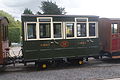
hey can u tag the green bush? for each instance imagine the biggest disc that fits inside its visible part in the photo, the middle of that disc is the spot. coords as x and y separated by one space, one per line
14 34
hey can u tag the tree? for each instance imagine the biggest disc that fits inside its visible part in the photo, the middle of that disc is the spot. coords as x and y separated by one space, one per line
39 13
27 11
52 8
14 34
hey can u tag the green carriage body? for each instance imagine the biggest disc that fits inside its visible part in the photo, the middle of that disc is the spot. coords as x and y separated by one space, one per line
77 36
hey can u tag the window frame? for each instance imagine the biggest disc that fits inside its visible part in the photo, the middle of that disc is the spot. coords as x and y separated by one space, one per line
26 30
112 26
65 28
62 29
4 32
51 27
39 32
87 28
96 30
86 31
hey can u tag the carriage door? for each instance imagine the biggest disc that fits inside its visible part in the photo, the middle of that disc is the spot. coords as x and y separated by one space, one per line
115 37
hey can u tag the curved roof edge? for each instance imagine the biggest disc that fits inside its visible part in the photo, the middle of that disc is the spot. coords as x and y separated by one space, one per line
1 18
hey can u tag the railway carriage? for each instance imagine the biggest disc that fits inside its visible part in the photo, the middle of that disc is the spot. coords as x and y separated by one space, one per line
109 33
57 38
4 45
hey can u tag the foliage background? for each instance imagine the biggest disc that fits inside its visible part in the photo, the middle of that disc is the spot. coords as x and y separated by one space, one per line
14 34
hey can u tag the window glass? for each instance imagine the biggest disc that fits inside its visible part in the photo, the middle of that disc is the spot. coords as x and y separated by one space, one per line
70 29
44 20
6 32
31 28
114 28
45 30
81 29
91 29
81 20
57 30
3 32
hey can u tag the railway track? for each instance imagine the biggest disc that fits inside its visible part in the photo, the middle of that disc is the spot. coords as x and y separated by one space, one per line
92 70
91 63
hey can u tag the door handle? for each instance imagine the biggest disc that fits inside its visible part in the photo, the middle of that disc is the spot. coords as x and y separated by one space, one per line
54 42
90 40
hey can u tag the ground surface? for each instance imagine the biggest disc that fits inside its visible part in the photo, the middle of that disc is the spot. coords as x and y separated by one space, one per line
92 70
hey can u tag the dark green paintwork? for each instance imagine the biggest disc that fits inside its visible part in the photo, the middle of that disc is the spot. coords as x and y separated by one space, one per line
58 18
33 50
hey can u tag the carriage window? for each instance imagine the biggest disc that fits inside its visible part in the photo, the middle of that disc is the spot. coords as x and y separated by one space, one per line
81 29
91 29
31 28
4 32
57 30
114 28
45 29
81 20
70 29
44 20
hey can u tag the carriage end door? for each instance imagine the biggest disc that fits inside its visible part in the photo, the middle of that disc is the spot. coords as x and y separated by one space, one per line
115 37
